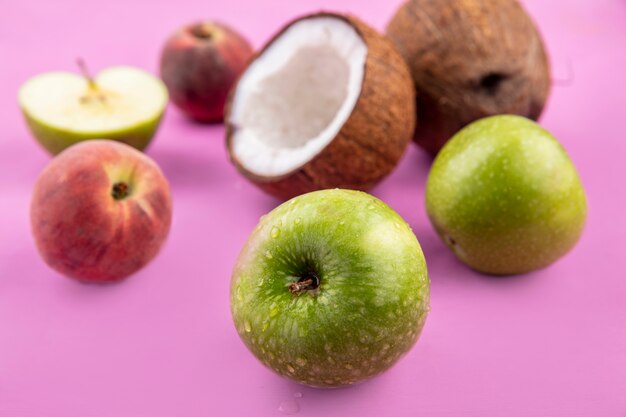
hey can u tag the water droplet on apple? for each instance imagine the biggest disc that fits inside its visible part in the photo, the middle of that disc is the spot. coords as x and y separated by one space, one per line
247 326
300 361
341 223
273 310
371 207
275 232
265 326
291 369
298 220
289 407
268 254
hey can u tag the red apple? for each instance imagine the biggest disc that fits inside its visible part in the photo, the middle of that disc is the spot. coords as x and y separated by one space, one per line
199 64
100 211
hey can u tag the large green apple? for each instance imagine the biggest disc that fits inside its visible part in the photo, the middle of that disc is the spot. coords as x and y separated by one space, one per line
330 289
504 196
122 103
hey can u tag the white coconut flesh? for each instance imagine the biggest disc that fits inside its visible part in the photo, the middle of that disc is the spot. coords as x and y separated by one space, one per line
123 97
293 100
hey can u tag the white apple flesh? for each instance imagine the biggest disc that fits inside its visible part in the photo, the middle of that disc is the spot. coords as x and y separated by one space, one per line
122 103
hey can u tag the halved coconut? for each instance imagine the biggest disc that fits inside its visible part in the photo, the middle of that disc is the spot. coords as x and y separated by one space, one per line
327 103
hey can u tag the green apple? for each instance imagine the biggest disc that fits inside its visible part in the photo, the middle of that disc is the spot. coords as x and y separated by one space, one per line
122 103
330 289
504 196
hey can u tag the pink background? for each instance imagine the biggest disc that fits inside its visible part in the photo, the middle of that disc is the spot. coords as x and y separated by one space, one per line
551 343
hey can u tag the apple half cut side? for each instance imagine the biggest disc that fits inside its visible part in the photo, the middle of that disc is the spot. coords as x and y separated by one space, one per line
327 103
122 103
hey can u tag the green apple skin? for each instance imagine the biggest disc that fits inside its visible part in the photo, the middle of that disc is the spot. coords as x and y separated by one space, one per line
371 302
55 140
504 196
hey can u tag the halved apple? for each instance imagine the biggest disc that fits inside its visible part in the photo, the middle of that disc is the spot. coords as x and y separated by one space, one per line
122 103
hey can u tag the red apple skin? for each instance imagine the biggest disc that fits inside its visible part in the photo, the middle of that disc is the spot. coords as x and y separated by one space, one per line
85 233
199 65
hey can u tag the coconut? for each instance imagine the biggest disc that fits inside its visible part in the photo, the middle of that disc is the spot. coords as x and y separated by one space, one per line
470 59
327 103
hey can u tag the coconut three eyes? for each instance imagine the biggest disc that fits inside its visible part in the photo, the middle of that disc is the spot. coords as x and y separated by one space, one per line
327 103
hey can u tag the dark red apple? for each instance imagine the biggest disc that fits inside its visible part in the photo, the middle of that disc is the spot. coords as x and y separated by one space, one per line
199 65
100 211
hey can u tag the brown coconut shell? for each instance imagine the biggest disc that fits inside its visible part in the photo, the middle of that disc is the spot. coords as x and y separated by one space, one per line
470 59
373 138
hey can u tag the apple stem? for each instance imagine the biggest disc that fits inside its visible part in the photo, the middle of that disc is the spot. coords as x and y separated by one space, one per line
309 282
203 31
85 72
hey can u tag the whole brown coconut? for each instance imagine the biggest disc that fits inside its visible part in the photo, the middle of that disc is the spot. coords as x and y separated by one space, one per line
327 103
470 59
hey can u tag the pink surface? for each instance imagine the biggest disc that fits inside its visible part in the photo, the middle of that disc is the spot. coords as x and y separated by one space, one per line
551 343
